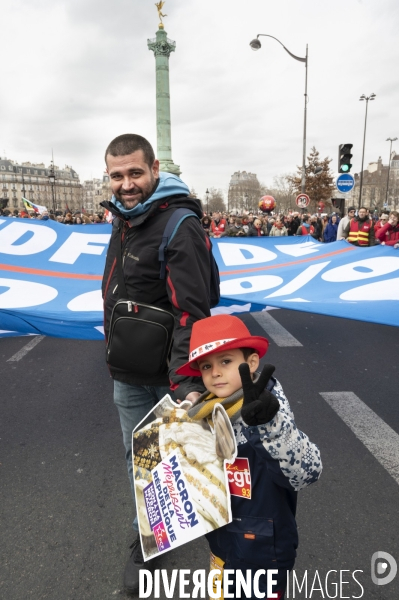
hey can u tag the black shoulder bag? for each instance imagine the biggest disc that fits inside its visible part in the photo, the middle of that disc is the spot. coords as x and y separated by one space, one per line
140 336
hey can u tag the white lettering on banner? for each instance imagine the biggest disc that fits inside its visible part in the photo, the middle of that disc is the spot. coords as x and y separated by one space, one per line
42 238
373 267
234 254
88 302
77 244
248 285
373 292
300 280
23 294
299 249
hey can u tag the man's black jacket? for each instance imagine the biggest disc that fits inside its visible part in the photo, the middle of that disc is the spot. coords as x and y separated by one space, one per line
184 292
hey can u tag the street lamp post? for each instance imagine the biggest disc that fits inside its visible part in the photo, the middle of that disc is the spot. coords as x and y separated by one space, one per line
51 179
207 202
366 98
256 45
23 183
389 166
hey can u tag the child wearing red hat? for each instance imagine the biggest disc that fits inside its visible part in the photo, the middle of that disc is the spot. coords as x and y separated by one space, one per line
274 459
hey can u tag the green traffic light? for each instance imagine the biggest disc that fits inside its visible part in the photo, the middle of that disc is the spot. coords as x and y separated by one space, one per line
344 168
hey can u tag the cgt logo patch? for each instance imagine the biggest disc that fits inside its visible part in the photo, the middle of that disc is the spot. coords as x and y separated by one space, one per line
239 477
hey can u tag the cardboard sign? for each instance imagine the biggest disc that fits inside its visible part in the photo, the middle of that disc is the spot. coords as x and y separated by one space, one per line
181 485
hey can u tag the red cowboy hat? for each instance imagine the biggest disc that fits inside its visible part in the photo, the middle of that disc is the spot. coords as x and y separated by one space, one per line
222 332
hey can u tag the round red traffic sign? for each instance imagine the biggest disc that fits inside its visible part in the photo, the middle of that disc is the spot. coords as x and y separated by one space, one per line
302 200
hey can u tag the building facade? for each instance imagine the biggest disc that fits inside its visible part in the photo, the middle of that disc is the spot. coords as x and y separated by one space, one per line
32 181
244 191
94 192
393 187
377 192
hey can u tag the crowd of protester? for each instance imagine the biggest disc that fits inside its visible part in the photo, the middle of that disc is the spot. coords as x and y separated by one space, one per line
358 227
67 218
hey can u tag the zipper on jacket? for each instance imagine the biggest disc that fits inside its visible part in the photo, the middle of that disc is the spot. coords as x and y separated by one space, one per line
132 306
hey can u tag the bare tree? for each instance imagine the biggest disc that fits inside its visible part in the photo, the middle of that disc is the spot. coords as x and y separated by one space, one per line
216 200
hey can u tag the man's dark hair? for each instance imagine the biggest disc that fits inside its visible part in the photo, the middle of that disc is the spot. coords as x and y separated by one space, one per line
305 218
350 208
363 208
129 143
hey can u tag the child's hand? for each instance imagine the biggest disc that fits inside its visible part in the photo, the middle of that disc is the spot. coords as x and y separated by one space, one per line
260 405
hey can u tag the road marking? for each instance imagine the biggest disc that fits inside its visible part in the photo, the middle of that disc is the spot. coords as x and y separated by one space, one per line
29 346
368 427
277 332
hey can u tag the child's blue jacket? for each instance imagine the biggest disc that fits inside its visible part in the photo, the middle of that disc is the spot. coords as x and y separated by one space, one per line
281 461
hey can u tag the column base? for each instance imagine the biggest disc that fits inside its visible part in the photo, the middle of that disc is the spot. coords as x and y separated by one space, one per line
169 166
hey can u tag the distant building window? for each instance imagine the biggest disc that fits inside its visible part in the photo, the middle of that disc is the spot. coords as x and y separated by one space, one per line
15 203
28 171
3 168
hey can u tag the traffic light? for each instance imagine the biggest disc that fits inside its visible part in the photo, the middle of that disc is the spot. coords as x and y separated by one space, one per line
344 158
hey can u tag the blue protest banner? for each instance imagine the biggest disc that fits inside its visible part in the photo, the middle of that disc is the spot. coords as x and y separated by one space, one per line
50 277
299 273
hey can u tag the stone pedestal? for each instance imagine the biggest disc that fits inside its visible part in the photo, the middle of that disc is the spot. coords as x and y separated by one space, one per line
162 47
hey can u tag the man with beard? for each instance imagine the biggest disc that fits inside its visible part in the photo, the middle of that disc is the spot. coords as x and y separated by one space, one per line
218 225
143 201
360 230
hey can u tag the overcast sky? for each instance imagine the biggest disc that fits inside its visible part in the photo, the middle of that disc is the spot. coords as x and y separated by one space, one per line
77 73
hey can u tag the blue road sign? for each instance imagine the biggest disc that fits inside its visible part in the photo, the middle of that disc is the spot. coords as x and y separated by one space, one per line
345 183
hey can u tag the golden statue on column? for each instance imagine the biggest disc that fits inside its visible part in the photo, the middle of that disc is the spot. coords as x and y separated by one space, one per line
159 6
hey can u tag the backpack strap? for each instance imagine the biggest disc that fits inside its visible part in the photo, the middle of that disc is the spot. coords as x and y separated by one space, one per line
175 220
122 293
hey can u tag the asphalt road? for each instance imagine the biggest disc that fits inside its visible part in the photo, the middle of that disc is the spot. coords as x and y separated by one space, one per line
65 501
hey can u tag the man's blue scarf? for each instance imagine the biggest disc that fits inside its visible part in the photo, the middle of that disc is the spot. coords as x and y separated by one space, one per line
169 185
